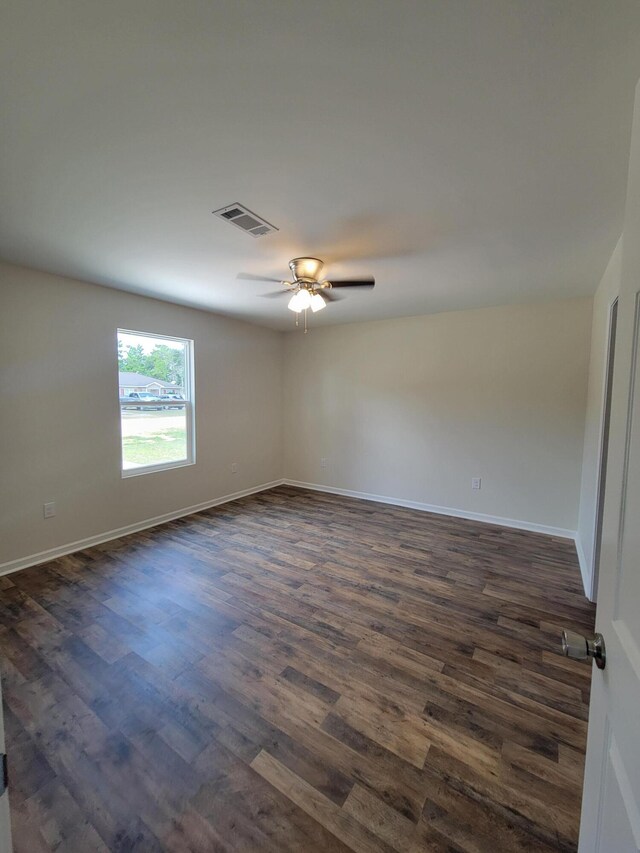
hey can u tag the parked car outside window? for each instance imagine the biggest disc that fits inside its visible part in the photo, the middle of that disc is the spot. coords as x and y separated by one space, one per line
142 396
172 398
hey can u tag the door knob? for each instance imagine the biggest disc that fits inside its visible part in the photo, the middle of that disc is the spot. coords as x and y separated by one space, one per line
580 648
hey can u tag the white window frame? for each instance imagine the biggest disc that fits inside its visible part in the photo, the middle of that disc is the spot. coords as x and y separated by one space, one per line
189 401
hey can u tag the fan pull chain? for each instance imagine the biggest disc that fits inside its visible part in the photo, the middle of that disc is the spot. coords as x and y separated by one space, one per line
305 321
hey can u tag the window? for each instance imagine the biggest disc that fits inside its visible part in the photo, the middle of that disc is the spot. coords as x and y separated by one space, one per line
155 380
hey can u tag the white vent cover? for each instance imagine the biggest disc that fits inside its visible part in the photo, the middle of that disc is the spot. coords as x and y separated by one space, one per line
245 219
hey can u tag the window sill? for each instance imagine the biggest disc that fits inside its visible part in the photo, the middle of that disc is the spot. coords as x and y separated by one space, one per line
153 469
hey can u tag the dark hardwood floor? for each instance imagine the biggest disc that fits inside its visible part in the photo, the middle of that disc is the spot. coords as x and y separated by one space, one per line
297 671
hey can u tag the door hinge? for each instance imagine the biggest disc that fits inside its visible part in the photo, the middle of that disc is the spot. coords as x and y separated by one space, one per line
4 771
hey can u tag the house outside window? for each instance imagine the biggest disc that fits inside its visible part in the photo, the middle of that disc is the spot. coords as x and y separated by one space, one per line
155 383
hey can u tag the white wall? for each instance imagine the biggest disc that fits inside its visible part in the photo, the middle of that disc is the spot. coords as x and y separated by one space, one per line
59 413
412 409
585 539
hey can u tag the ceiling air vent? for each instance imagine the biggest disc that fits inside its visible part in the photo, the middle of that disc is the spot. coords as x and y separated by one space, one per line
245 220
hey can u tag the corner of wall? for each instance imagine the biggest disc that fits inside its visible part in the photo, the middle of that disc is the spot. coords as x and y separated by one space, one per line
603 300
585 568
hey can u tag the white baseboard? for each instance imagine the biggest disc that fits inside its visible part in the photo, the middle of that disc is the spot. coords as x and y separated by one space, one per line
560 532
80 544
585 569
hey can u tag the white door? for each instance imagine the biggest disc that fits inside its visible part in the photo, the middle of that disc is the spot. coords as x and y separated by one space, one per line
5 823
611 801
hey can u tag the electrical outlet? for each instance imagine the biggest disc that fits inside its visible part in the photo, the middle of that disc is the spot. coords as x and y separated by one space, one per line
234 467
49 509
476 483
323 461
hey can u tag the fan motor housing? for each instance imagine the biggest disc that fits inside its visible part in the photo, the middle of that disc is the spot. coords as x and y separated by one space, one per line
306 269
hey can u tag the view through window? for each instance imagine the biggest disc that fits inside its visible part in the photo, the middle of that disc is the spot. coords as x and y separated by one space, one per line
155 379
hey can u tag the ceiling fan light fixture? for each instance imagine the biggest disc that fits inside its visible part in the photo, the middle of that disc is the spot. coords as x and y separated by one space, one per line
300 301
318 302
293 303
304 298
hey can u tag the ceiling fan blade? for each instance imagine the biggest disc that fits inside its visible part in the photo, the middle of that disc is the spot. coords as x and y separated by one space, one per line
247 276
274 293
354 282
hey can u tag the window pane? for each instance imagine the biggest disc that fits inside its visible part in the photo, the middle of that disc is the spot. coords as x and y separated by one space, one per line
155 400
151 437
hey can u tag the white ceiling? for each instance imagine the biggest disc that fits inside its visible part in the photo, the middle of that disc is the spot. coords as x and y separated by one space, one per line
466 153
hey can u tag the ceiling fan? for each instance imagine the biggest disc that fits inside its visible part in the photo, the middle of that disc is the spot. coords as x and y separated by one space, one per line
307 289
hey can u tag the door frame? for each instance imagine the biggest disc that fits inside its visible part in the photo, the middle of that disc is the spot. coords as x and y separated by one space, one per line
603 444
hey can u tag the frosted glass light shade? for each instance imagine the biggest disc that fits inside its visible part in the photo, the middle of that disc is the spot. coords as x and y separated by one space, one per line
300 301
292 305
304 299
317 302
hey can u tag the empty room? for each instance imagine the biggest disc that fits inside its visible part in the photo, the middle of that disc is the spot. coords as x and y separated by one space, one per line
319 432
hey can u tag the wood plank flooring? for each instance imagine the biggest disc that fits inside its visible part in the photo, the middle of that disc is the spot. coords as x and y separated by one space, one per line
298 672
